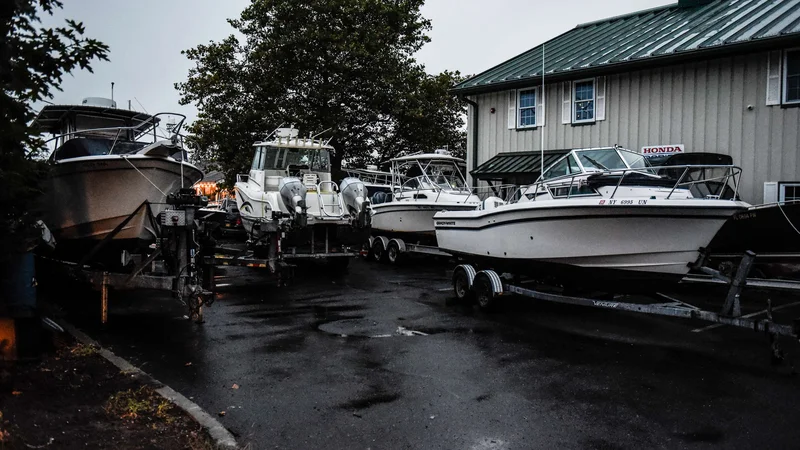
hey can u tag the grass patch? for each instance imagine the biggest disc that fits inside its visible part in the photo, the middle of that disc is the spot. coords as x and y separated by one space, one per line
141 403
83 350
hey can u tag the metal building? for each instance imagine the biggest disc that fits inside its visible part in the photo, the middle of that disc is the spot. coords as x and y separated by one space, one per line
697 76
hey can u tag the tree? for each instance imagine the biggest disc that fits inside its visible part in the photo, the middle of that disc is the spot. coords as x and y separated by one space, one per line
429 117
342 67
33 60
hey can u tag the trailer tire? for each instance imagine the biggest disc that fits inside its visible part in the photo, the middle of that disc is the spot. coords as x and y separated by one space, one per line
393 252
484 292
463 278
378 250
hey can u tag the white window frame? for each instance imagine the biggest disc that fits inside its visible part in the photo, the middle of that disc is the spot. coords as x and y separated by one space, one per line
785 75
534 108
594 101
782 190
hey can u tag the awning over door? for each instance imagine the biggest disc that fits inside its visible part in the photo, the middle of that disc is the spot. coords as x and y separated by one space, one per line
512 166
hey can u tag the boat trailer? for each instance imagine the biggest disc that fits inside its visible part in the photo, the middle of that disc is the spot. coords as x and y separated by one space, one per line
172 264
268 252
486 287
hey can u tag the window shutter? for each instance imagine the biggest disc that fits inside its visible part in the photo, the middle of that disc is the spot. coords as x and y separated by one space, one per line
770 192
774 78
540 107
600 98
512 109
566 102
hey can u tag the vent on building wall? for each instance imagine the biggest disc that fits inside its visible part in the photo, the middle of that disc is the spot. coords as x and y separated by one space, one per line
692 3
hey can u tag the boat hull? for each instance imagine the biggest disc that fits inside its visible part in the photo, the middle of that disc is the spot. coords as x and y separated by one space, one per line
587 240
411 220
85 199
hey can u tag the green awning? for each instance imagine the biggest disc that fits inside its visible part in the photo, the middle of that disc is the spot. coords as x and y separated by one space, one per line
512 164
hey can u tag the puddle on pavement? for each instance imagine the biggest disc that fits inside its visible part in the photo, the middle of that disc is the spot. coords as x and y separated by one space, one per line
367 328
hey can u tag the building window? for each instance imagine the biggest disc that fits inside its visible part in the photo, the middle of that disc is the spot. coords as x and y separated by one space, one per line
791 73
583 101
789 192
527 108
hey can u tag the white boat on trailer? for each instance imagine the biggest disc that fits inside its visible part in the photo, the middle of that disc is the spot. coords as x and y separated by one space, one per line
596 217
102 171
422 185
289 203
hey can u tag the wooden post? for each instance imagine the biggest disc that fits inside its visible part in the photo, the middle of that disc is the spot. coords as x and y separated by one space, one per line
104 299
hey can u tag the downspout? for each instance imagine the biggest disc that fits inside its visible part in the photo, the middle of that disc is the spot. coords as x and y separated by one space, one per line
474 135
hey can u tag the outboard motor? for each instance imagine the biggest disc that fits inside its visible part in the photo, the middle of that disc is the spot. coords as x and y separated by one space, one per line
491 203
355 197
293 194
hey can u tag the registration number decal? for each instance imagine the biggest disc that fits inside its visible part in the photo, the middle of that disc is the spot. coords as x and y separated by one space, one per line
622 202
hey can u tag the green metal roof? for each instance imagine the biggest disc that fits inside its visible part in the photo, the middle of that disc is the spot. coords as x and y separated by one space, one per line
515 163
647 36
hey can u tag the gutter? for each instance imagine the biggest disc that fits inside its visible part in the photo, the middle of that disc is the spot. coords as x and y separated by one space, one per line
474 133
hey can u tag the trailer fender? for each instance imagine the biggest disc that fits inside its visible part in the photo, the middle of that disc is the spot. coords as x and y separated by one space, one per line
400 244
497 284
463 278
379 246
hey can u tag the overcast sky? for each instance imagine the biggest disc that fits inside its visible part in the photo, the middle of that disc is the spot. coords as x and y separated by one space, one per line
147 36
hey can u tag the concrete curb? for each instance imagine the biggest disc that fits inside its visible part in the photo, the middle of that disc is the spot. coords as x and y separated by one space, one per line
221 436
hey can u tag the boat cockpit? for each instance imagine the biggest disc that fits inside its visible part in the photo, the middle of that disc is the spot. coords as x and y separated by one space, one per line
428 177
606 172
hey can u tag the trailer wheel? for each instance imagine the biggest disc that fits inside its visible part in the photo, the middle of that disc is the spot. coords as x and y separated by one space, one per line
378 251
393 252
484 292
462 284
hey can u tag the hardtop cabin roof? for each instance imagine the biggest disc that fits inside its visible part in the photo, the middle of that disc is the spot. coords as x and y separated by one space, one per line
671 34
305 143
429 157
51 117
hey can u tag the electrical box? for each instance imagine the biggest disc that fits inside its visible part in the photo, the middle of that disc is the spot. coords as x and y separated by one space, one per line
173 218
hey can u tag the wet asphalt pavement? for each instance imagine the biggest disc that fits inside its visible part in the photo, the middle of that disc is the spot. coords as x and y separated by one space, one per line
381 358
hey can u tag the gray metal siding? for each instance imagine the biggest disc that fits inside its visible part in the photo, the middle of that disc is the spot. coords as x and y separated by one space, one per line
702 105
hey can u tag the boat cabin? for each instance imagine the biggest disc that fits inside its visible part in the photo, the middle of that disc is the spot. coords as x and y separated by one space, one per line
291 156
95 127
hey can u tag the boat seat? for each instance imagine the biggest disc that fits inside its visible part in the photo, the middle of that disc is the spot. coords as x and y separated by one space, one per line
631 179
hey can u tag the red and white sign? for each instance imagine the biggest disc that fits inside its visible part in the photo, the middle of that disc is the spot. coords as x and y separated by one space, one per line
663 150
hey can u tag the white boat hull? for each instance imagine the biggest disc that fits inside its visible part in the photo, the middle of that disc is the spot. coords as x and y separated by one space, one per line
411 219
656 237
86 198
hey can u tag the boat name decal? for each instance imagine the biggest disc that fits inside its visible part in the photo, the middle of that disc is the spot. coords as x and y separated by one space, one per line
445 223
622 202
605 304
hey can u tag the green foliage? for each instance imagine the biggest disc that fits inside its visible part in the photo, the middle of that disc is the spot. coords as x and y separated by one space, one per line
33 60
344 67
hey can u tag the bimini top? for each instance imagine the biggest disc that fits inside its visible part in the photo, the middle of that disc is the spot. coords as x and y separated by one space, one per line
52 118
428 157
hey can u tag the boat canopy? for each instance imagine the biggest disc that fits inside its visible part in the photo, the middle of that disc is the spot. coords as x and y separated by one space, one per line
67 118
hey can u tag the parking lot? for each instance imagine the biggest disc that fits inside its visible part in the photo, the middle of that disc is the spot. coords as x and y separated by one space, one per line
383 358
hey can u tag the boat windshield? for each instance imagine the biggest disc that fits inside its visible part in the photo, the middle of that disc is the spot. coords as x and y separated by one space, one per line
446 176
603 159
611 159
279 158
78 147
